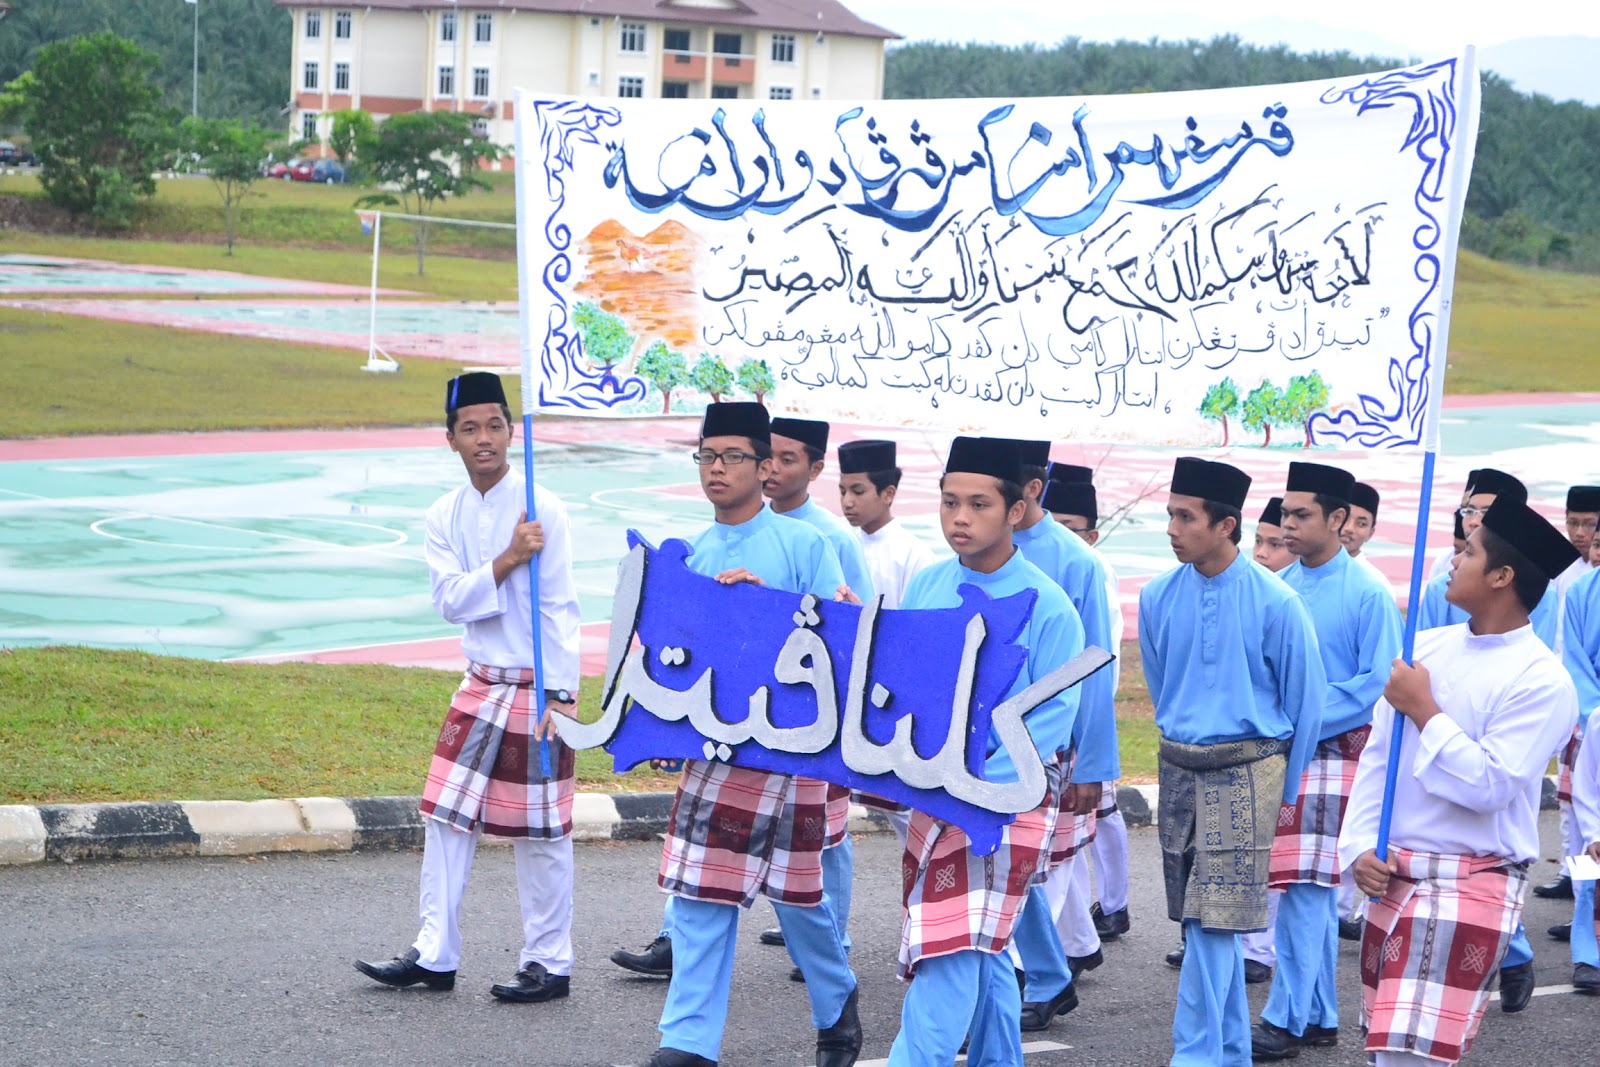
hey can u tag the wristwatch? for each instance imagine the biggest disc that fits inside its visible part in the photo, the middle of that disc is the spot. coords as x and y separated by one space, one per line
562 696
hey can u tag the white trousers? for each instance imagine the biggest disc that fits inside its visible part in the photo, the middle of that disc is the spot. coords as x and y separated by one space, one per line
1262 946
1068 889
898 821
544 884
1110 850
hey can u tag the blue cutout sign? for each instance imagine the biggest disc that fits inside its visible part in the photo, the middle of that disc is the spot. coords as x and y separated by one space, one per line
900 704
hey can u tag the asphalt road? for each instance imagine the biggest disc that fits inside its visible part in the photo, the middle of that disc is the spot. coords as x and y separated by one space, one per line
248 961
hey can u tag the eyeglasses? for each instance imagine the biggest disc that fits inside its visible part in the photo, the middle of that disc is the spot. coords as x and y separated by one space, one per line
1581 524
705 457
1471 513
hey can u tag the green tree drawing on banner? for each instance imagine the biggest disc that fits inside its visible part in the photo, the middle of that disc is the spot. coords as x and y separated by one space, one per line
712 376
664 369
755 378
1306 395
1221 401
1263 408
606 340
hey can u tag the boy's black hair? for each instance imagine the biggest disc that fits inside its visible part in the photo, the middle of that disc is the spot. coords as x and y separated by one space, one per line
1330 504
814 454
1032 473
883 479
1527 581
1216 512
450 417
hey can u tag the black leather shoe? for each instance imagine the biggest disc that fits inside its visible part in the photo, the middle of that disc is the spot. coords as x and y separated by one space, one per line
1586 977
797 975
403 971
1559 889
655 962
1561 932
532 985
840 1044
1080 964
1349 929
773 936
1516 987
1175 957
1255 973
1268 1042
672 1057
1039 1014
1110 926
1320 1037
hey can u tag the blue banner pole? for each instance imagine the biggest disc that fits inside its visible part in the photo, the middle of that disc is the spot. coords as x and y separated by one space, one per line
533 591
1419 558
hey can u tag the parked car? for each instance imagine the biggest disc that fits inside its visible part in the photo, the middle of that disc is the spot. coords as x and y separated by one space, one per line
280 169
300 170
12 156
328 171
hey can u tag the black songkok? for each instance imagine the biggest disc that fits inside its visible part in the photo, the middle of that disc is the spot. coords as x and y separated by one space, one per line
473 387
806 431
1031 453
1529 533
1208 480
1272 514
1499 483
1070 472
1072 498
994 456
1583 498
864 457
1364 496
737 418
1321 479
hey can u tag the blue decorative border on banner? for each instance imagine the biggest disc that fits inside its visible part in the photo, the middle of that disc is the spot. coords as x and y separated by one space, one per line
566 382
1399 420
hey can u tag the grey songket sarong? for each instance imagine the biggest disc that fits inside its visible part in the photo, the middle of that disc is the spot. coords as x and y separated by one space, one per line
1218 815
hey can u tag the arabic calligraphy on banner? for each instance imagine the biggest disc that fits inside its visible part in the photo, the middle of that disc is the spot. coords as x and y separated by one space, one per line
901 704
1191 268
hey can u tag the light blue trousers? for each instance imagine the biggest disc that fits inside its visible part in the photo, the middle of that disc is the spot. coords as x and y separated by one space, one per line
1211 1027
1038 942
1303 984
703 939
967 990
1584 947
1519 951
838 876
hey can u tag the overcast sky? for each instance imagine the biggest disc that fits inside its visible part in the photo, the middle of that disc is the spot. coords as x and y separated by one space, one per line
1421 28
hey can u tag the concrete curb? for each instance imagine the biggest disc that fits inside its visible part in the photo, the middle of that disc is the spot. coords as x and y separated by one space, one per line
140 830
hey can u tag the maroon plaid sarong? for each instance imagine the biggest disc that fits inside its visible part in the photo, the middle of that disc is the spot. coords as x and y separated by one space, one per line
838 814
1306 845
737 832
955 900
1072 832
1569 762
486 772
1108 801
1432 945
867 800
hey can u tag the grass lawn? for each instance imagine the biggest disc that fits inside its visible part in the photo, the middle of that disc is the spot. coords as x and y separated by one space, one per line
80 725
69 375
1519 330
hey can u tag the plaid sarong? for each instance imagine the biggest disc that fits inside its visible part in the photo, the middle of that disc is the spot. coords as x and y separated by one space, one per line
1432 945
1569 762
1073 832
955 900
1218 813
838 814
735 833
486 773
1306 848
1108 801
877 803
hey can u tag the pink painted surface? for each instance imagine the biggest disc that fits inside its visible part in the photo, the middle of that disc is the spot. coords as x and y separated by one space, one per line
257 284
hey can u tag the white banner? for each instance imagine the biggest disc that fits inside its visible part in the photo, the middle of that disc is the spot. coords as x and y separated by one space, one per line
1258 265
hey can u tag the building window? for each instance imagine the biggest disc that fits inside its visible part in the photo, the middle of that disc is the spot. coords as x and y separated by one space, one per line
342 21
341 77
781 92
727 44
308 126
480 128
480 82
447 82
783 48
633 36
675 90
483 27
724 92
816 92
631 86
447 27
313 25
675 40
309 82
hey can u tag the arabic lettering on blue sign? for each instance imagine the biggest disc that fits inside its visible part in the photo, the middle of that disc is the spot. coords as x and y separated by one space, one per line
901 704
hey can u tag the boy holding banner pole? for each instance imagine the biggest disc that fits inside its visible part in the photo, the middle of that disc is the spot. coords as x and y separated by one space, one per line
1490 703
1581 654
1231 661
